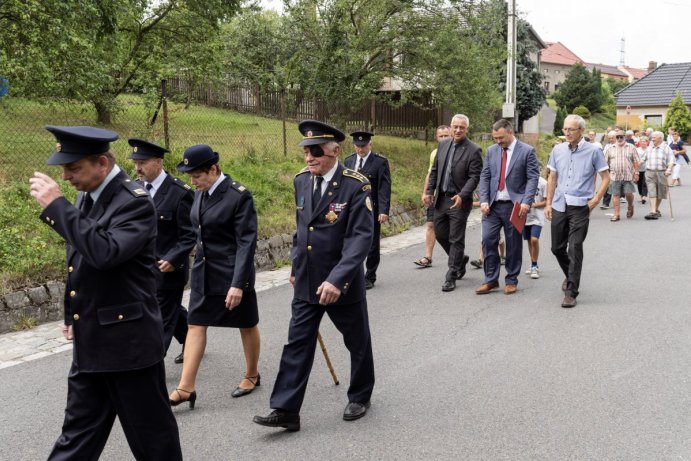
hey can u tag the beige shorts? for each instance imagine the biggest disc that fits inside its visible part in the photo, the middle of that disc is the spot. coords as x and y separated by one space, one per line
657 183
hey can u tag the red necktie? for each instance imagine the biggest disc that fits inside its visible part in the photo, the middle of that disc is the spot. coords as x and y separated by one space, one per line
502 174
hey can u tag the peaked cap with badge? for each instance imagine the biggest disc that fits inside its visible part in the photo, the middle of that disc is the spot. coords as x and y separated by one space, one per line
361 138
76 142
197 156
144 150
315 132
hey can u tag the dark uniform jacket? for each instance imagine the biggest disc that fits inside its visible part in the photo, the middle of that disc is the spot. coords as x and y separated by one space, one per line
332 241
110 295
226 228
465 171
176 237
377 171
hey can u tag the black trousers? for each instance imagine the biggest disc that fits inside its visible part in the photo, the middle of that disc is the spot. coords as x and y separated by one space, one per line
569 230
449 227
373 257
139 398
298 355
170 303
642 185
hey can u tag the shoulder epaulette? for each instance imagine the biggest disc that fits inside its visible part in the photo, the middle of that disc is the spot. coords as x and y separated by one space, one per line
304 170
379 155
180 183
355 175
237 186
135 188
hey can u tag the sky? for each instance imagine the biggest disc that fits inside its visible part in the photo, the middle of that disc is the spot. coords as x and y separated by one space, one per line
653 30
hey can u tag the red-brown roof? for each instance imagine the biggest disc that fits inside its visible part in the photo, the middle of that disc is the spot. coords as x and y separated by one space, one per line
557 53
637 73
605 69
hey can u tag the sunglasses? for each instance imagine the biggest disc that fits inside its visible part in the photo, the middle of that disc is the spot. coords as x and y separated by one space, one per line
316 150
619 136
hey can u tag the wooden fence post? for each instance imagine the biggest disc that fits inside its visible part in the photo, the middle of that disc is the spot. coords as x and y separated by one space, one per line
164 102
283 119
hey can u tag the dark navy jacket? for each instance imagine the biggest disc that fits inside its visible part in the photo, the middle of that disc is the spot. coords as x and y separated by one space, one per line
176 237
110 295
226 228
332 241
377 171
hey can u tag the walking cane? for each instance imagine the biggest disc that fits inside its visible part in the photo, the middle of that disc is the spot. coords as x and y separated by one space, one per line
326 357
669 199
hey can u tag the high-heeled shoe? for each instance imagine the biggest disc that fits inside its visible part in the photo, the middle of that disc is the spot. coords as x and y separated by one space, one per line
191 398
239 391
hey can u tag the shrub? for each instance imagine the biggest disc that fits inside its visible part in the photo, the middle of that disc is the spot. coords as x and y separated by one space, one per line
582 111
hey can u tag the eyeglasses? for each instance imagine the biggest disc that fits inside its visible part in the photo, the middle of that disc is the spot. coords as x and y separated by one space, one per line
570 130
620 136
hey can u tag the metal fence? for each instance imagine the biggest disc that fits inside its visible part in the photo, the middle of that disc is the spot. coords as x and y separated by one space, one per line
234 120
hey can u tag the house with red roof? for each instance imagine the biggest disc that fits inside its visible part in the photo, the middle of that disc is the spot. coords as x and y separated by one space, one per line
556 61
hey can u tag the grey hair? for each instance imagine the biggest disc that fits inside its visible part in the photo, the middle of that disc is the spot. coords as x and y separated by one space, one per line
612 133
577 118
462 117
658 134
331 145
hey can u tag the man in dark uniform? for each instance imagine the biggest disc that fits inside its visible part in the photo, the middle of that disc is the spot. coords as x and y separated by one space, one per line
334 234
454 176
375 168
175 238
111 311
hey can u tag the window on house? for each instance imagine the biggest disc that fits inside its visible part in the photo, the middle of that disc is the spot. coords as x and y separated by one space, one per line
653 120
556 86
547 86
557 72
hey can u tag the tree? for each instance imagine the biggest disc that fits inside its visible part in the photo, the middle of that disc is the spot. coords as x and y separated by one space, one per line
678 117
94 51
616 85
580 88
559 121
530 95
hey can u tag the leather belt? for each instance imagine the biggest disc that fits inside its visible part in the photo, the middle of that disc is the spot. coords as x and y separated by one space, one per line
449 194
502 201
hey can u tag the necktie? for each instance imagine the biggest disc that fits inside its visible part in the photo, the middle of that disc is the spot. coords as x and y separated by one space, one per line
502 174
317 193
149 186
87 204
359 168
447 171
205 197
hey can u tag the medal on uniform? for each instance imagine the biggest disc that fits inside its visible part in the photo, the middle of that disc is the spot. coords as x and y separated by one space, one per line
331 216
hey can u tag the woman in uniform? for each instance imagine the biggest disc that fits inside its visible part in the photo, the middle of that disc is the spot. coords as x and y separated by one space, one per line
222 281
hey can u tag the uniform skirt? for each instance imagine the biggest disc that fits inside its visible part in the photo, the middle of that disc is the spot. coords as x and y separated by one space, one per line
211 311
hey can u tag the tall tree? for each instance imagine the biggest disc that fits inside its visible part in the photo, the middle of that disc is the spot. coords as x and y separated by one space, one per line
678 117
94 51
581 88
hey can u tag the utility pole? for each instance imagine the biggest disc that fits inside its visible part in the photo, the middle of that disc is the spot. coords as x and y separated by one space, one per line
622 53
509 108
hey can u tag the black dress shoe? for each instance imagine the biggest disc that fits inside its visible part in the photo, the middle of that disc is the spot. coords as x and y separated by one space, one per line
355 410
180 358
369 284
449 285
278 418
461 273
240 392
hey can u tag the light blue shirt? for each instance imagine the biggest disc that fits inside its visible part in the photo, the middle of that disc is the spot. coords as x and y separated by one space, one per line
97 193
216 183
575 173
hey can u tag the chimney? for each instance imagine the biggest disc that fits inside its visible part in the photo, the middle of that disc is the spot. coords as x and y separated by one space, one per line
652 65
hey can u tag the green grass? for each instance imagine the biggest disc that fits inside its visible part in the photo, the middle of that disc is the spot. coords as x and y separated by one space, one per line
600 122
251 150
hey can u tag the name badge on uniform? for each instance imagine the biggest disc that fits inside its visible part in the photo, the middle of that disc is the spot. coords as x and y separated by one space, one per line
301 203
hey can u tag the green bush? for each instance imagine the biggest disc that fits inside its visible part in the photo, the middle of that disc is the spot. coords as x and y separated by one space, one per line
582 111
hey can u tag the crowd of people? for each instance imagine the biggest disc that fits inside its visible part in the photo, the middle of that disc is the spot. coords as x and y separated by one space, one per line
128 243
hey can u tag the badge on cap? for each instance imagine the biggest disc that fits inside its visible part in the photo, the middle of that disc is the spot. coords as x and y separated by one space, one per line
135 149
309 134
58 147
186 161
359 138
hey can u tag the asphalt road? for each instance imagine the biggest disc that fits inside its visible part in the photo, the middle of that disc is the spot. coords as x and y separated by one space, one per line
459 376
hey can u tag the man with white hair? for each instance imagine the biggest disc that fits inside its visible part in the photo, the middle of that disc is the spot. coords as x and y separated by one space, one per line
573 166
659 164
623 167
611 141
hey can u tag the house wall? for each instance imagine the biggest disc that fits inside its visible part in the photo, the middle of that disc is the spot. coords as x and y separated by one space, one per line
637 116
553 75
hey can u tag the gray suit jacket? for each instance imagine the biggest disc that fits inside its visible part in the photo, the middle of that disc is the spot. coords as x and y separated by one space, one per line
465 171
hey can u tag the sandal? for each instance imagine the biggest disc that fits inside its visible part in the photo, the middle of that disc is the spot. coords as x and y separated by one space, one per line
191 398
629 212
615 218
424 262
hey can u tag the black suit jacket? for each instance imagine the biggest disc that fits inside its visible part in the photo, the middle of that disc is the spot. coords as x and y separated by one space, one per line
377 171
465 171
176 237
110 295
226 227
332 239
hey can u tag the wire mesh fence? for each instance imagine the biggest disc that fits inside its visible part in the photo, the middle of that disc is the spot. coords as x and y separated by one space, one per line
234 120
